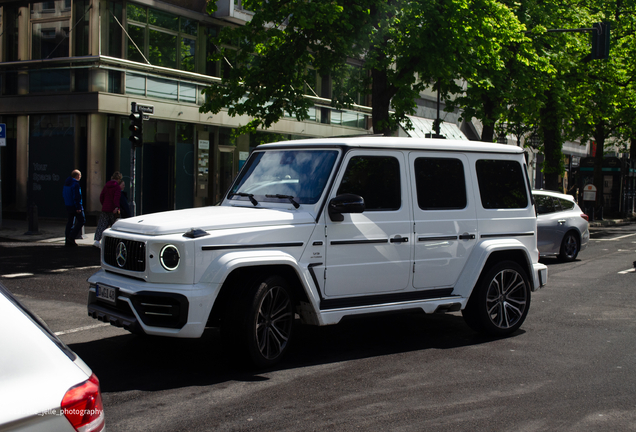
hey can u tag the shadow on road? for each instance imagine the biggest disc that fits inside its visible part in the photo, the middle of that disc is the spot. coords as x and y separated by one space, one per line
41 258
147 363
554 261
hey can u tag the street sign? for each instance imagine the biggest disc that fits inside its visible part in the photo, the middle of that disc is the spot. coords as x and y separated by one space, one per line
145 109
3 135
589 193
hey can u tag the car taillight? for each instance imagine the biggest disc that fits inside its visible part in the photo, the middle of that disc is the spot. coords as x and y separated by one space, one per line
584 216
82 406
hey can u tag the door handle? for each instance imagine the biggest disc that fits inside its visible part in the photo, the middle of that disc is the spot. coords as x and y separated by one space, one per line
399 240
561 221
467 236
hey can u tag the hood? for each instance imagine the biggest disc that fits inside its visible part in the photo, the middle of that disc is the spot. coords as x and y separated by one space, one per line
209 219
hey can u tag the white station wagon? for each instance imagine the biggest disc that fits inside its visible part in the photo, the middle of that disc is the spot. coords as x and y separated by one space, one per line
322 229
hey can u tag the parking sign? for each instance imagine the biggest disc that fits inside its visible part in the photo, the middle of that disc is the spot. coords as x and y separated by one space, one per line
3 134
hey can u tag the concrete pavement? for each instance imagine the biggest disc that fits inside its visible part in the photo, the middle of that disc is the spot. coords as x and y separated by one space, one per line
49 231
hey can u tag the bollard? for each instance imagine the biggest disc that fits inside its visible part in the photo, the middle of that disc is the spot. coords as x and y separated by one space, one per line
32 217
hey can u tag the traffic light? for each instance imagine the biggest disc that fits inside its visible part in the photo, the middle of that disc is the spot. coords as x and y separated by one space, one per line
136 128
600 41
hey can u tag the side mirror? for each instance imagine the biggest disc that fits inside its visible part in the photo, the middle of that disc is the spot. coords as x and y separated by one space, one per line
345 203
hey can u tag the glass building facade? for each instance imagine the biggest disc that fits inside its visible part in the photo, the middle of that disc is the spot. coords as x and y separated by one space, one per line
69 71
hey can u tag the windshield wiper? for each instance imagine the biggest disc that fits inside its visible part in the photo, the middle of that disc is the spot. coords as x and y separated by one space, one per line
243 194
289 197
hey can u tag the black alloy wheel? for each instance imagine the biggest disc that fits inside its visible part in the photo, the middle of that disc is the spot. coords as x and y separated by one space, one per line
499 303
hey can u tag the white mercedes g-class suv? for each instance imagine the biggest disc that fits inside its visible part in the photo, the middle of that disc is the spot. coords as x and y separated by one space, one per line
317 230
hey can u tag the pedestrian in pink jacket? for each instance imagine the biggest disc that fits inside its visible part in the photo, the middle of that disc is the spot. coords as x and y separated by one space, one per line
109 198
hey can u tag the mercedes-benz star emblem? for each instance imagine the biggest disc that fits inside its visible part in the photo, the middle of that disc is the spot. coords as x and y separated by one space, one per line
121 255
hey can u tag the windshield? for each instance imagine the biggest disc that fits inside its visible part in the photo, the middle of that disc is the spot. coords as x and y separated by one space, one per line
285 175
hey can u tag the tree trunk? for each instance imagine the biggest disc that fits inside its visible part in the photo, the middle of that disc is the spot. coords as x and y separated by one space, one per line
488 132
552 143
381 94
599 136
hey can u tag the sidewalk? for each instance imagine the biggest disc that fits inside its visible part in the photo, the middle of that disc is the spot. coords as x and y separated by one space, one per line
52 230
49 231
609 222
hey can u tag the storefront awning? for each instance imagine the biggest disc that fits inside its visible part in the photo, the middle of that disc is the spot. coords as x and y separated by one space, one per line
423 126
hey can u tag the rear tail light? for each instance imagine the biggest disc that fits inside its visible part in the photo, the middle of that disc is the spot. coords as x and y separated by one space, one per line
82 406
584 216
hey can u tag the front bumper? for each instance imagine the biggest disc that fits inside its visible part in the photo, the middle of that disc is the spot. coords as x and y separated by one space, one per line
155 309
134 311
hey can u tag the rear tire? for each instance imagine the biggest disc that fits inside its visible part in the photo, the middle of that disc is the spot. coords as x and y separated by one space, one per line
569 247
499 303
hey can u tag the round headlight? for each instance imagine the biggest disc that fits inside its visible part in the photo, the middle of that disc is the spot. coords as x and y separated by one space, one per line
169 257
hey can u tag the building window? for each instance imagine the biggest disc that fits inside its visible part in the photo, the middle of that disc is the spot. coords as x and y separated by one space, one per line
11 32
50 22
160 88
111 30
212 68
81 28
162 38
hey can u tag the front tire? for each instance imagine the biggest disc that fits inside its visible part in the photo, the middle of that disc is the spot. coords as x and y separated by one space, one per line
499 303
258 322
569 247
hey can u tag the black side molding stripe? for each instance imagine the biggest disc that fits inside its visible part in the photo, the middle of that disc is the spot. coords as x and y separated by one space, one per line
351 242
526 234
349 302
251 246
437 238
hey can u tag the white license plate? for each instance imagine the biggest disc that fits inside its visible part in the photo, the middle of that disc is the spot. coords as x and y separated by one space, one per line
106 293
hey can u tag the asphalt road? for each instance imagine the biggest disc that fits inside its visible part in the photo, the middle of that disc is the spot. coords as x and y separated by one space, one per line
571 367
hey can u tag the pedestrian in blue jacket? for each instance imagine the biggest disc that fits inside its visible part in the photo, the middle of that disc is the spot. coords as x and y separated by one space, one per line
73 200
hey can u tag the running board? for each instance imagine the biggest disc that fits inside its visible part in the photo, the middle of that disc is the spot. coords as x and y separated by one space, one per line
377 300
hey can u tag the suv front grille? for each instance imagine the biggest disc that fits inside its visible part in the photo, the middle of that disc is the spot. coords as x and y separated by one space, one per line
135 259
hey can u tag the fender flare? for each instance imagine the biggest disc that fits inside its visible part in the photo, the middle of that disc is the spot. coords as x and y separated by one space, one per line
219 270
473 269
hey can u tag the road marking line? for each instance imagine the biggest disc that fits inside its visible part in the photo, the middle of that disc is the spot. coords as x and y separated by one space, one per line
17 275
627 271
615 238
62 270
79 329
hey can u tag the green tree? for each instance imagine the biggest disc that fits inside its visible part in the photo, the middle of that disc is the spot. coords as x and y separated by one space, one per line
605 95
504 96
566 52
402 47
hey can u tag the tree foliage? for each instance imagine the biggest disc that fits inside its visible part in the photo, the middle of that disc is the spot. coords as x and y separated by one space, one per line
605 93
496 61
402 47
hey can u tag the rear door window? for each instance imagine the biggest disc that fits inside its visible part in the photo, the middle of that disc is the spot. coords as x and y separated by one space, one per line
565 204
501 184
544 203
440 184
